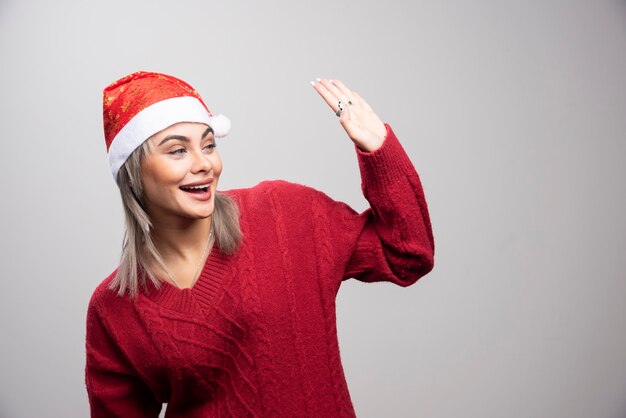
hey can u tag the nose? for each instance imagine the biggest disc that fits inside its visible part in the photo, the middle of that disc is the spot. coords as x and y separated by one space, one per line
200 163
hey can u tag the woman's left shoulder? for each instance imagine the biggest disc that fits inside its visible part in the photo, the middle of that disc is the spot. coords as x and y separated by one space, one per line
284 189
280 198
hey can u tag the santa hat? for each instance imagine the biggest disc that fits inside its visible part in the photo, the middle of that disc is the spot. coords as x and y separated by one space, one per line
141 104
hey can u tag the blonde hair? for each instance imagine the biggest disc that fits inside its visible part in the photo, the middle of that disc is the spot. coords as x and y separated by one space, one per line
138 248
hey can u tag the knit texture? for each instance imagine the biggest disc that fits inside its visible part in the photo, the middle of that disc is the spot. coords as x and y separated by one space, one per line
256 336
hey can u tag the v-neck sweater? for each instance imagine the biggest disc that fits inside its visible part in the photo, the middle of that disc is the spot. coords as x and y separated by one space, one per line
256 335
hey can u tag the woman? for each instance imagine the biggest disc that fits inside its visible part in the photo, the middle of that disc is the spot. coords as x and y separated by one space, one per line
224 301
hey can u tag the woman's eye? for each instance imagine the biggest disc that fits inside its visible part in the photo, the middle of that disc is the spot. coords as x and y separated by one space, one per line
209 147
177 151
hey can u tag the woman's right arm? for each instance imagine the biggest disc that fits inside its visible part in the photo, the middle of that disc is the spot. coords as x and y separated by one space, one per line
113 386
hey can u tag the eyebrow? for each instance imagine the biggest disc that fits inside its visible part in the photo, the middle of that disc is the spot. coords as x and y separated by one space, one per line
184 138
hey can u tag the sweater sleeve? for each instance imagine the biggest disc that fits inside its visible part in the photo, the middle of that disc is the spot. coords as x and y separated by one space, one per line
113 387
392 240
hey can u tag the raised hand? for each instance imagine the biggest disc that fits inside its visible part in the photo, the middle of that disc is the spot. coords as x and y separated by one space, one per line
362 125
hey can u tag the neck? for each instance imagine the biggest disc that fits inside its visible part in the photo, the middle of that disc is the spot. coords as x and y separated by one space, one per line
182 239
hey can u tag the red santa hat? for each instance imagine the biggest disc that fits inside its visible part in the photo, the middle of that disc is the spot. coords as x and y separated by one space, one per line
141 104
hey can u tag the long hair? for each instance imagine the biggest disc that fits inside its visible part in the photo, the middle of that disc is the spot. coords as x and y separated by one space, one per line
138 249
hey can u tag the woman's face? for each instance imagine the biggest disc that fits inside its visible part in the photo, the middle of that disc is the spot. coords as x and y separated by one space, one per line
180 172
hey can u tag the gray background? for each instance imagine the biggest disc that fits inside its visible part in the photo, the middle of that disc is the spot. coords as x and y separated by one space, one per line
512 112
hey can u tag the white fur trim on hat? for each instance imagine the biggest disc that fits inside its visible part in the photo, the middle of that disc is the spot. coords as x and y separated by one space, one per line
220 125
157 117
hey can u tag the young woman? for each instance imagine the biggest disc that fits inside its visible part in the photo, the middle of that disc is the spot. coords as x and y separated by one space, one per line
224 301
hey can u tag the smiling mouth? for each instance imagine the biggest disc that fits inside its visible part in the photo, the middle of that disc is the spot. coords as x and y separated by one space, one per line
195 189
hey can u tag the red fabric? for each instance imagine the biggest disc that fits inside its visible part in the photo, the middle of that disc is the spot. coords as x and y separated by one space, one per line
124 98
256 336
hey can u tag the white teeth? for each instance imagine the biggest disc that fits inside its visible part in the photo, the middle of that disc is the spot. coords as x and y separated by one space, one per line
195 187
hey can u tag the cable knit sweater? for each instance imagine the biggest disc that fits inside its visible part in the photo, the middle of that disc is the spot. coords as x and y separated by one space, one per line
256 335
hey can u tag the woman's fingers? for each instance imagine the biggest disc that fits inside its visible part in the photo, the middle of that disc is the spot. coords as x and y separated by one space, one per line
343 92
339 91
358 119
327 95
333 91
361 101
340 94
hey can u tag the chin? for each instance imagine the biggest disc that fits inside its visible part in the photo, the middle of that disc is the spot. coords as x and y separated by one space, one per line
203 214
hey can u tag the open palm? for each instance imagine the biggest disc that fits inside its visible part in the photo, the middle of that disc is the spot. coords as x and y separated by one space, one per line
362 125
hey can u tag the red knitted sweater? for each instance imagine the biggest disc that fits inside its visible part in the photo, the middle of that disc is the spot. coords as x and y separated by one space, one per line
256 335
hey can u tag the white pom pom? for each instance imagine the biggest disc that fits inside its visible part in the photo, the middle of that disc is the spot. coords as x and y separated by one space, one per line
220 125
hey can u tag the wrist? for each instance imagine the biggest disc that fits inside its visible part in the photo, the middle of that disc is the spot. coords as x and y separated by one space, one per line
370 146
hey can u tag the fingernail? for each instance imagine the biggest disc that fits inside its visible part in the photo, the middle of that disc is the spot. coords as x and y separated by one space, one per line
318 80
312 83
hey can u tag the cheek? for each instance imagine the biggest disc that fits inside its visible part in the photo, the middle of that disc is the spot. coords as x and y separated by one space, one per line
157 176
151 186
217 165
147 180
